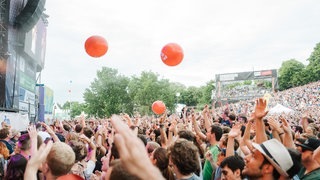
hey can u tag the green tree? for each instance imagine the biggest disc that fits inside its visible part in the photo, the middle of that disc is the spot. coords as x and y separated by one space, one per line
76 109
301 78
206 92
288 70
65 106
313 68
147 88
108 94
191 96
73 108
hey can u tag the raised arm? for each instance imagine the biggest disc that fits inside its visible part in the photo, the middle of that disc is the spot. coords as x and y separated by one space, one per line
163 134
207 123
82 121
184 114
128 119
304 123
36 161
287 139
99 140
133 153
234 132
92 146
50 132
245 141
196 127
258 114
277 132
33 137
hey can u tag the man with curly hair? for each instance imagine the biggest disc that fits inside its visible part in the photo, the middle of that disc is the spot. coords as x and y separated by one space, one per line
184 158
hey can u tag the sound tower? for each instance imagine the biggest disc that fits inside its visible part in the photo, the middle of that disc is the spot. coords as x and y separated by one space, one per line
30 15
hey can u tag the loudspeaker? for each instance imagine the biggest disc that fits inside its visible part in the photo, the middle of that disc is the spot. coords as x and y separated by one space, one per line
30 15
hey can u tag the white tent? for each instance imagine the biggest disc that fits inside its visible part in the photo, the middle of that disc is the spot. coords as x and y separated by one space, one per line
279 109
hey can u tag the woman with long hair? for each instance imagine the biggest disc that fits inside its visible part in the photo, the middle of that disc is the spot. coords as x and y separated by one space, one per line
4 154
16 167
159 158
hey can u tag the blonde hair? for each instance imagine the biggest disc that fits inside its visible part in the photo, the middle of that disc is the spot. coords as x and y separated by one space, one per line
71 136
60 159
4 150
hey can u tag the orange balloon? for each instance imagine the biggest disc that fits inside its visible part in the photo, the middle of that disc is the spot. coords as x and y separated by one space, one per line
96 46
172 54
158 107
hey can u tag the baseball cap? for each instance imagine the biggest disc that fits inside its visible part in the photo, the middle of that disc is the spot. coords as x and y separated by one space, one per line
309 144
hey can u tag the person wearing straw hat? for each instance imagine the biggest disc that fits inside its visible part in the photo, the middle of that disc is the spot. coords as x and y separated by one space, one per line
271 160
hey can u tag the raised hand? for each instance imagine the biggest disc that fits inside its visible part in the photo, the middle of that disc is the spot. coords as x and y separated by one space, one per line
33 134
235 131
172 126
285 125
32 131
205 110
48 128
260 109
275 125
40 155
36 160
132 152
209 156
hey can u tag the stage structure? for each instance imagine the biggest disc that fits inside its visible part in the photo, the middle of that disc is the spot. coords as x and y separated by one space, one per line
233 87
23 28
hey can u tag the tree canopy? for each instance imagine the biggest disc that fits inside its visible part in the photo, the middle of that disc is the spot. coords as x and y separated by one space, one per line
293 73
112 93
289 70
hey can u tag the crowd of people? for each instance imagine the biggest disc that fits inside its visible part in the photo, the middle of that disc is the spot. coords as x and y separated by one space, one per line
243 91
234 141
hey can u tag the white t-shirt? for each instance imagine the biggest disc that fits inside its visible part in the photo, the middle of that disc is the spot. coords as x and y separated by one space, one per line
89 169
44 135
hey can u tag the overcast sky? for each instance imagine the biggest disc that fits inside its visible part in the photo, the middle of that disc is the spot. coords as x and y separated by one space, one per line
216 36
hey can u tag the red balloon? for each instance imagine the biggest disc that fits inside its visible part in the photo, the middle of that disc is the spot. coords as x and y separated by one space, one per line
158 107
172 54
96 46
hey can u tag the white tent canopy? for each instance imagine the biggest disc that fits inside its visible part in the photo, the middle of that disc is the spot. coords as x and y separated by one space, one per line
279 109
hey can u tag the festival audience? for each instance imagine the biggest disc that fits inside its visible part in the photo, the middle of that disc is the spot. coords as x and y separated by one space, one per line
233 141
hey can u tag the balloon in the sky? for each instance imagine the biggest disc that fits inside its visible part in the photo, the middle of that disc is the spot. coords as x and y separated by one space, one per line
158 107
172 54
96 46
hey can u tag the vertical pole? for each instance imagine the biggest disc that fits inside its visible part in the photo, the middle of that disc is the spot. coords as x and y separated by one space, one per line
70 100
14 81
41 104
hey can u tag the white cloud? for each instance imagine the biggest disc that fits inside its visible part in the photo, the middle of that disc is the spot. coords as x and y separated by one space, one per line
216 36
